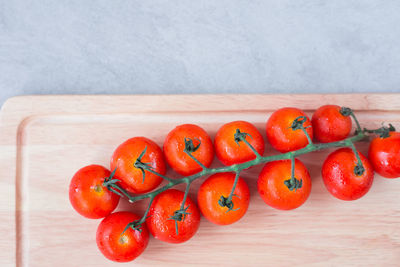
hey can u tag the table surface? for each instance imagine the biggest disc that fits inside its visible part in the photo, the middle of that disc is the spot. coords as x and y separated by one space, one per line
162 47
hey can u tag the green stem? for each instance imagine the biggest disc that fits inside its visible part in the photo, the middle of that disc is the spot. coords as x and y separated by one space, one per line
359 168
356 121
137 224
293 162
149 169
123 191
383 132
307 135
147 211
356 153
233 188
197 161
252 148
186 194
345 111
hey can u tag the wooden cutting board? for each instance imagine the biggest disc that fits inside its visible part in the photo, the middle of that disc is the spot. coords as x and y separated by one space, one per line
45 139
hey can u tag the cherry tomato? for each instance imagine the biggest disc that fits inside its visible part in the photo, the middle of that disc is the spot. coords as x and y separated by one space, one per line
338 173
384 154
174 149
330 125
280 133
214 192
229 151
87 194
120 247
273 189
162 210
124 158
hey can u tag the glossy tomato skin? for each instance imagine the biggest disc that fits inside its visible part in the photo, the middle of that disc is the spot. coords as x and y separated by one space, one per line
272 189
117 247
339 178
87 194
210 193
124 158
384 154
229 152
163 208
174 147
280 134
329 125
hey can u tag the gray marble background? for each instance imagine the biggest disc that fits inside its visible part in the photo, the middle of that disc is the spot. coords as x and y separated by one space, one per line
198 46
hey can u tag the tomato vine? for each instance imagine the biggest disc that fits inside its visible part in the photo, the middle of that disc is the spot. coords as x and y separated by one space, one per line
240 138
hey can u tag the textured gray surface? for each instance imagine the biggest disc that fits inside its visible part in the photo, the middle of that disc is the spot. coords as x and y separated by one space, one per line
186 46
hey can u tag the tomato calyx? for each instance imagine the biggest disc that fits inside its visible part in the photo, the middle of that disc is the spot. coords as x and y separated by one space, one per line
383 132
345 111
359 169
190 148
298 123
110 183
142 165
189 145
135 225
240 136
293 183
227 202
179 216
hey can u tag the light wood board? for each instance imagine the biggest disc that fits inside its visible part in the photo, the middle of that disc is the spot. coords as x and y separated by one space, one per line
44 140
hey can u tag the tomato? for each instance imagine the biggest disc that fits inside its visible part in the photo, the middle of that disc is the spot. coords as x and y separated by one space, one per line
231 152
124 158
120 247
273 190
330 125
338 173
87 194
280 133
384 154
174 149
219 186
162 210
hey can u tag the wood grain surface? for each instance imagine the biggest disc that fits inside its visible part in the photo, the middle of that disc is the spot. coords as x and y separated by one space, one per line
44 140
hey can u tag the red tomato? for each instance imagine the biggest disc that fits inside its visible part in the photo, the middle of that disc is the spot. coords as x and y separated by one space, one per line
220 185
273 190
280 134
87 194
174 147
330 125
228 151
124 158
163 208
120 247
384 154
340 179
